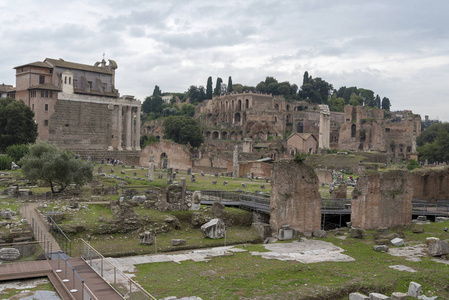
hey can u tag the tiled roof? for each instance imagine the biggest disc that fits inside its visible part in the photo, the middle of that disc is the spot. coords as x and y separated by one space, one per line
35 64
71 65
304 136
6 88
44 87
96 93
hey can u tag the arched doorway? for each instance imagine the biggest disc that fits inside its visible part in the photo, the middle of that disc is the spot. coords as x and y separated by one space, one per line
163 163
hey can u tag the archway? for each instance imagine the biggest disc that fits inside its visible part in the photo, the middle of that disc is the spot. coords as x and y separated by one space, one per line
224 135
237 118
163 162
215 135
353 130
239 105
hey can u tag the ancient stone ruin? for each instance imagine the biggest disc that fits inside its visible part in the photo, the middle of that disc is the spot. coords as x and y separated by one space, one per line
382 199
295 200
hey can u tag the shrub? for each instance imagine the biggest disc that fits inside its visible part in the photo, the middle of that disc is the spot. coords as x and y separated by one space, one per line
5 162
413 164
300 157
16 152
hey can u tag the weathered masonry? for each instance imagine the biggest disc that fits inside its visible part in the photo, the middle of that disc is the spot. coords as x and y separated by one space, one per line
77 106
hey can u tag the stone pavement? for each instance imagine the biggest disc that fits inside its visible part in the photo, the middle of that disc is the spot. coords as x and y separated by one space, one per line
305 251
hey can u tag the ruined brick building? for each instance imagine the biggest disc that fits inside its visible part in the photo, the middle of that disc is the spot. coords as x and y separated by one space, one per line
392 133
77 106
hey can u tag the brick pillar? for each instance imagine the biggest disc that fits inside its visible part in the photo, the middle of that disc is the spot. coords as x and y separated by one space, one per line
128 122
119 128
137 134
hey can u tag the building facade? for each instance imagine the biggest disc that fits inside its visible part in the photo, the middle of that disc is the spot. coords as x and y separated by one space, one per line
77 106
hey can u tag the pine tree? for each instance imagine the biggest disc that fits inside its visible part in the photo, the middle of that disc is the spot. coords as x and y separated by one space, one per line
217 90
209 88
229 84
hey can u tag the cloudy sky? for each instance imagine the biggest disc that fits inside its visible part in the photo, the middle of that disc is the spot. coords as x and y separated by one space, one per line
399 49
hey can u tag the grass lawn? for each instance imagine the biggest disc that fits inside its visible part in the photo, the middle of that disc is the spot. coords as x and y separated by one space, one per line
243 276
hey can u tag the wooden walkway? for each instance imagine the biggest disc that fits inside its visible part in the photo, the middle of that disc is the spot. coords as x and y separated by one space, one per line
95 284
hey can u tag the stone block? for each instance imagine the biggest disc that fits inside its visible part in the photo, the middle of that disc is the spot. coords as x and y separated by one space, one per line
380 248
177 242
377 296
214 229
9 254
356 233
431 239
414 289
261 229
286 234
438 248
398 296
319 233
421 218
358 296
146 238
416 228
397 242
441 219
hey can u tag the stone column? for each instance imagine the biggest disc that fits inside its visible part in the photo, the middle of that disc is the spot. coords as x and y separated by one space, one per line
235 162
137 135
128 120
119 128
151 169
325 125
183 188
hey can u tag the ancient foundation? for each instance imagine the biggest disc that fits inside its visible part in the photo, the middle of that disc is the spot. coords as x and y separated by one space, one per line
382 200
431 184
295 200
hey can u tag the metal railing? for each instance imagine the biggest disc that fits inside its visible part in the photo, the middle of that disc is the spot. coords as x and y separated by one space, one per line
61 238
439 209
74 282
42 238
125 286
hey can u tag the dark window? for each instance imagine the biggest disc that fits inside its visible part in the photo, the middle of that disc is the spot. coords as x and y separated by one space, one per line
353 130
41 79
45 122
42 94
46 107
387 129
51 71
90 84
66 125
46 94
75 83
70 80
51 94
65 79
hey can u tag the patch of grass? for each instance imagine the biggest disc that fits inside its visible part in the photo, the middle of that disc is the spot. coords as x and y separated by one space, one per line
8 293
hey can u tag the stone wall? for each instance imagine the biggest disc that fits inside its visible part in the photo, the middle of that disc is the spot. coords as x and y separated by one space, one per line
382 199
324 176
80 125
176 156
259 169
295 200
431 184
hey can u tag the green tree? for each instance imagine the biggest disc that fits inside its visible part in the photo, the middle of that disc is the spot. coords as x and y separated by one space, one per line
183 130
368 97
336 104
16 123
157 91
430 134
187 110
355 100
261 87
16 152
438 150
305 78
229 84
153 104
209 88
386 103
377 101
217 90
56 167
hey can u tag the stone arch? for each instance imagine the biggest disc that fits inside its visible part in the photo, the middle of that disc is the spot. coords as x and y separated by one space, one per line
244 117
221 106
288 107
227 106
208 134
239 105
237 118
232 105
224 135
276 107
353 130
275 119
247 103
293 151
215 135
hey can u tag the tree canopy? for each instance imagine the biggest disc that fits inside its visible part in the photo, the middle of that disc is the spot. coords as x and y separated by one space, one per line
16 123
183 130
56 167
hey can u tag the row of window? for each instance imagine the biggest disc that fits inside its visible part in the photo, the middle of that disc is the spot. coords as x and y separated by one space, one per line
44 94
45 107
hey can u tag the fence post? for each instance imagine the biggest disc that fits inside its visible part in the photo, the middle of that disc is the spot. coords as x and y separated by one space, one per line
82 289
101 266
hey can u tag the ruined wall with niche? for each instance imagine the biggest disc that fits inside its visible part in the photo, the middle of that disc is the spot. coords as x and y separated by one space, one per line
431 184
259 169
393 133
382 199
176 156
295 200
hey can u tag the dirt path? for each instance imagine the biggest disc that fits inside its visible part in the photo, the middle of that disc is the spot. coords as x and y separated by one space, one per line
28 211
